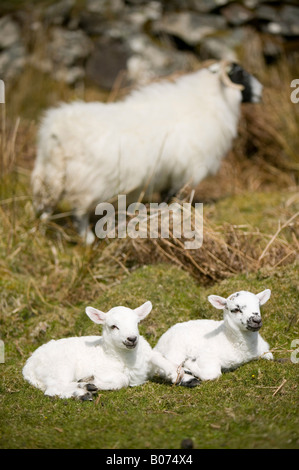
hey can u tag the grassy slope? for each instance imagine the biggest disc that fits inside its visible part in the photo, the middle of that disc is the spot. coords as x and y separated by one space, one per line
239 410
46 281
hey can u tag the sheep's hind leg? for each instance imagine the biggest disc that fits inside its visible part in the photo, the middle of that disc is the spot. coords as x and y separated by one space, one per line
64 390
81 222
89 387
202 369
189 381
172 372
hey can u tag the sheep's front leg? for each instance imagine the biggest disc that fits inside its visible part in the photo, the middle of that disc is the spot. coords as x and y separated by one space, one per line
89 386
267 355
264 350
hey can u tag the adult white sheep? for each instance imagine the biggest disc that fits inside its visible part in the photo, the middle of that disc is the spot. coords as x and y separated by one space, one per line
157 139
78 366
206 347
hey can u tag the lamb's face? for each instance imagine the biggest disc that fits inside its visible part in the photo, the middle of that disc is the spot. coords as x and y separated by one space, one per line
122 328
242 309
120 324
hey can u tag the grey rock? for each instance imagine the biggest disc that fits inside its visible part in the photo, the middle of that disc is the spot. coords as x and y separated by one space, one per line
9 32
272 48
224 46
216 48
107 61
92 24
148 61
69 48
285 22
69 75
12 51
267 12
105 7
67 53
58 13
189 27
237 14
206 6
201 6
290 20
140 15
12 61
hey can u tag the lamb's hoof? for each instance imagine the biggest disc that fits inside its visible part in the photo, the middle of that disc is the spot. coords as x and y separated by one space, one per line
191 383
91 388
86 397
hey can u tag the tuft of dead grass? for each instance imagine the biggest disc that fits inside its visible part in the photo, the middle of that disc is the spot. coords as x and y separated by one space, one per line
227 248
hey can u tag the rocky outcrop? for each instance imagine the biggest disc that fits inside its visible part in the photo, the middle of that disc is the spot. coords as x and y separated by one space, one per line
100 40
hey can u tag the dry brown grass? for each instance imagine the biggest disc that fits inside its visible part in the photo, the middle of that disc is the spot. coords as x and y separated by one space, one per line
264 159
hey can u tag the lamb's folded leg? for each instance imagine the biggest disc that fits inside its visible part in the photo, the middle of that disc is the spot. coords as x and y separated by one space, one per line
202 369
166 368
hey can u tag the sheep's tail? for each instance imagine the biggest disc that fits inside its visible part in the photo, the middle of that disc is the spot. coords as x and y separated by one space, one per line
48 178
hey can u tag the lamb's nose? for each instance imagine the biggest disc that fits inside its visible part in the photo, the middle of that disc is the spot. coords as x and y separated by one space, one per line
257 319
132 339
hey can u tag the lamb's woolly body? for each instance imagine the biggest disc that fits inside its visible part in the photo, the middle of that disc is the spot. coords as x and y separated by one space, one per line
159 137
119 358
56 367
207 347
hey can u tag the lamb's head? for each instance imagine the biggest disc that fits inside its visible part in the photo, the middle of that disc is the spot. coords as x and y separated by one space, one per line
232 75
242 309
120 324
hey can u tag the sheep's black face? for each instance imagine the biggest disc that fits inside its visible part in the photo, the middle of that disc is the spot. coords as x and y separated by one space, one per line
252 87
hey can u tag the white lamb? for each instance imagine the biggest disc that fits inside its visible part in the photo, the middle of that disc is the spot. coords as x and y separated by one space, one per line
78 366
157 139
204 348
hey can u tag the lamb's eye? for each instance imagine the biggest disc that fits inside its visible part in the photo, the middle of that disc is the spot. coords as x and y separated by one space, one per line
236 310
114 327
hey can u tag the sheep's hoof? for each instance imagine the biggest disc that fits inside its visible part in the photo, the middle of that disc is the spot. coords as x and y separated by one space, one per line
191 383
91 388
86 397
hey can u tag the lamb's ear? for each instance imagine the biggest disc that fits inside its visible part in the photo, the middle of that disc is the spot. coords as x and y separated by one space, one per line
264 296
143 310
95 315
217 301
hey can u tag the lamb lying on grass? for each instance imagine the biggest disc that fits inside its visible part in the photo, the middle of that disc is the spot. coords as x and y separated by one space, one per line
78 366
206 347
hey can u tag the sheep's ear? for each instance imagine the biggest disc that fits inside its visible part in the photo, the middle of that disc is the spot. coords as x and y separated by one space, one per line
264 296
95 315
217 301
143 310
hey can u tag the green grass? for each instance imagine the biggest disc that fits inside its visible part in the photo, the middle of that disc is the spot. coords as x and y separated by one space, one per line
236 411
46 281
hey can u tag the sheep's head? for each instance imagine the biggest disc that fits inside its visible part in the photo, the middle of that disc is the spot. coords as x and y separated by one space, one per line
232 75
242 309
120 324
